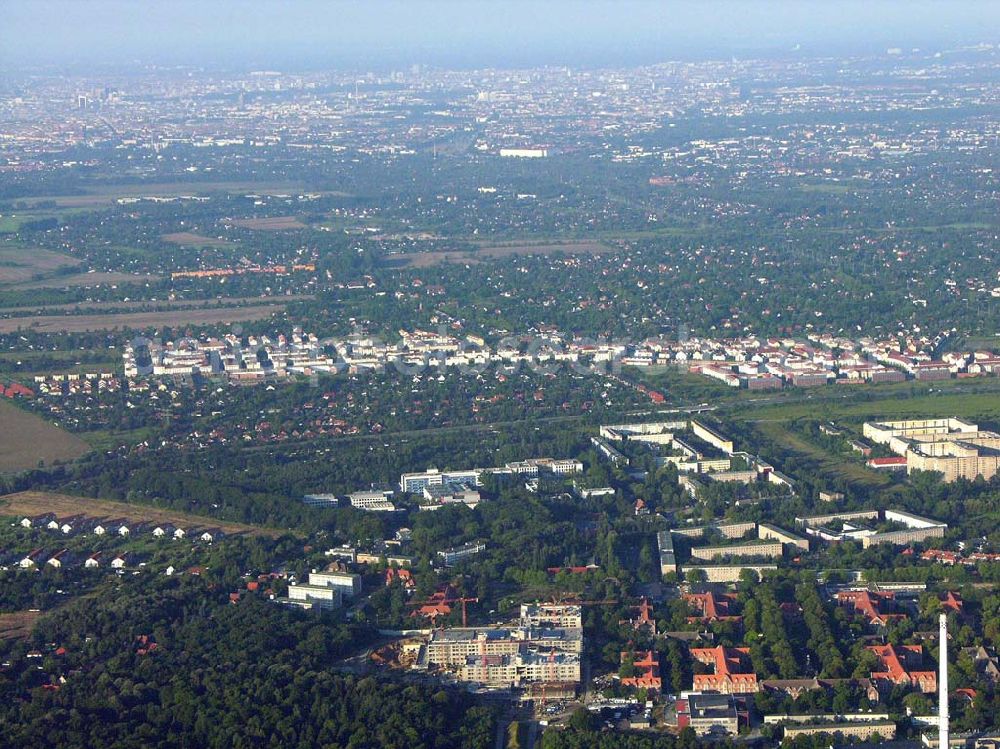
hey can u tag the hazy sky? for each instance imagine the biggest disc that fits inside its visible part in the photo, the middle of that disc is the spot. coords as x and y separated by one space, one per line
387 33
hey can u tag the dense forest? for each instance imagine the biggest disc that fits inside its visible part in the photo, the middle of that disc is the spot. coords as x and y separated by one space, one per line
171 663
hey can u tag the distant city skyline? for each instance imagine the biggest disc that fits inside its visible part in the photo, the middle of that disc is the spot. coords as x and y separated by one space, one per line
386 33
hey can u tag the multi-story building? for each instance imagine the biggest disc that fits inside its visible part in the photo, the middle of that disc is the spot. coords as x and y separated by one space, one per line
518 670
325 590
414 483
456 554
838 728
953 447
901 665
874 606
708 714
712 607
564 615
371 501
665 544
348 583
728 573
732 671
749 549
450 647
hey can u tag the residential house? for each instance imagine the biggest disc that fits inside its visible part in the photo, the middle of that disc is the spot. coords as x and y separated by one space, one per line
901 666
733 673
647 671
644 620
712 607
62 558
38 521
121 561
871 605
164 530
32 558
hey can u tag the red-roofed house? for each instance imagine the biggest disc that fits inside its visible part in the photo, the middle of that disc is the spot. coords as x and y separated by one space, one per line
899 667
645 618
713 608
404 576
944 557
647 671
952 602
895 463
732 671
869 605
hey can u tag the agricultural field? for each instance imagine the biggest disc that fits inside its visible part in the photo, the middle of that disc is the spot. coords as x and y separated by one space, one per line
25 439
17 625
38 503
194 240
107 194
90 278
159 304
23 264
138 320
493 251
273 223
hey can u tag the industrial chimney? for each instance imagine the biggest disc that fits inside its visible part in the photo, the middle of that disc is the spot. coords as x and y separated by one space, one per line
943 683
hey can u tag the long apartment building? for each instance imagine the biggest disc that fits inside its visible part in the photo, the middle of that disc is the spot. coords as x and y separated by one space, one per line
953 447
868 527
450 647
415 483
517 670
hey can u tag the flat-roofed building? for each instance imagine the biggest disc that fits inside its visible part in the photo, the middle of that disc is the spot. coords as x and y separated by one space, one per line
454 555
771 549
371 501
865 731
414 483
708 714
953 447
310 596
566 615
518 670
728 573
767 531
347 583
665 544
449 647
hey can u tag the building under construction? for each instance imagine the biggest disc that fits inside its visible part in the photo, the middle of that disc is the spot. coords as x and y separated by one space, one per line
536 651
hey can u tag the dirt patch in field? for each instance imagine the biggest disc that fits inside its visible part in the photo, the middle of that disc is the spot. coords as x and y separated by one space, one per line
162 304
194 240
26 439
274 223
428 259
543 248
106 194
135 320
489 251
17 625
88 279
23 264
38 503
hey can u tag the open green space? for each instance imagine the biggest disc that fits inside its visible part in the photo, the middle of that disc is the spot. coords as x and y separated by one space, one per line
830 464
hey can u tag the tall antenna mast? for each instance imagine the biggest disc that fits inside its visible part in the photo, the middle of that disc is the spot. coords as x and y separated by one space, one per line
943 682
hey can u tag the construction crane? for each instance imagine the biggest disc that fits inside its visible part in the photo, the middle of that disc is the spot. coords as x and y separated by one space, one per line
447 601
